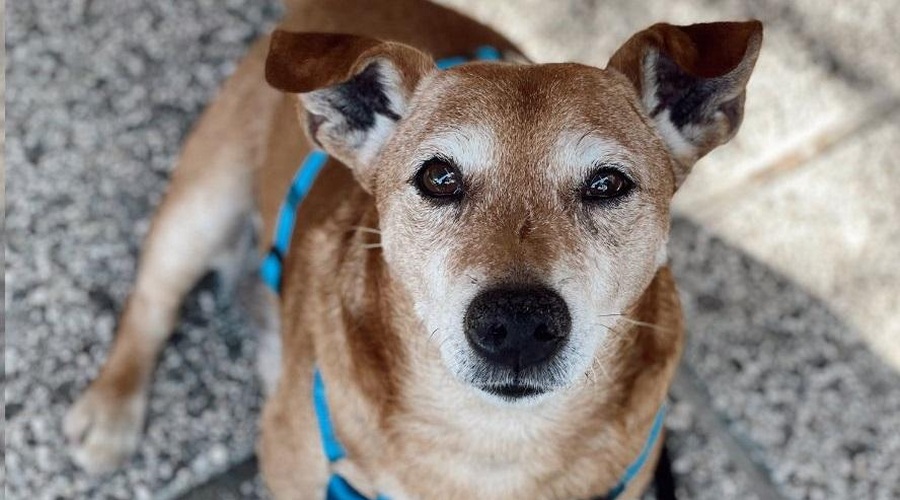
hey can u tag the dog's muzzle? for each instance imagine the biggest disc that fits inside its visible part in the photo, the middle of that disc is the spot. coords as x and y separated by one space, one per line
515 329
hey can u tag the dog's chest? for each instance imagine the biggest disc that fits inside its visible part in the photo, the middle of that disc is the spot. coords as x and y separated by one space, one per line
480 457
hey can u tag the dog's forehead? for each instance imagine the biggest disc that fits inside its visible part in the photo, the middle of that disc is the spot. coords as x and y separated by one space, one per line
534 105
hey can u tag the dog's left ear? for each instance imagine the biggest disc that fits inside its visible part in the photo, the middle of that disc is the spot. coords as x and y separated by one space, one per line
353 89
692 81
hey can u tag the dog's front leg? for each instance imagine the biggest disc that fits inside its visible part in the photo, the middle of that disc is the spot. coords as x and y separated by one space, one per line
204 213
194 225
208 203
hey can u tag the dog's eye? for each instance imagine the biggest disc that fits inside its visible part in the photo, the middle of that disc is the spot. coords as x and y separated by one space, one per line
439 179
606 183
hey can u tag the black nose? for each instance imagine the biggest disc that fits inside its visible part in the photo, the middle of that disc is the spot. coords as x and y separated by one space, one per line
517 327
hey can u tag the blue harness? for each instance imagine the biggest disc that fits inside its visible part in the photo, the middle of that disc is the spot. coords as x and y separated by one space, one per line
271 269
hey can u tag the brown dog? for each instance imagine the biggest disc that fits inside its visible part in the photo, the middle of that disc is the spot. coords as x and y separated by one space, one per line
478 275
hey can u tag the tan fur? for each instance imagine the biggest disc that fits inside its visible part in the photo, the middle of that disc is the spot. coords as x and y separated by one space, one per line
354 290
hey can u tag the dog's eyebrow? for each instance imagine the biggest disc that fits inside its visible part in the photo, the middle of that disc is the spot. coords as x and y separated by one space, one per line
470 147
577 150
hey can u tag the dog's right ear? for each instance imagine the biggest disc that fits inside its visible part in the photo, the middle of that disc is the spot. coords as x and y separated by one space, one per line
353 89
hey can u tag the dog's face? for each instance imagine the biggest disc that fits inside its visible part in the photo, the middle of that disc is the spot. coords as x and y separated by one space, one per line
525 223
526 208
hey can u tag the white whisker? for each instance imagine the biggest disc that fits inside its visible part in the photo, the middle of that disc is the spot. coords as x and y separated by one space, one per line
602 370
364 229
627 319
647 325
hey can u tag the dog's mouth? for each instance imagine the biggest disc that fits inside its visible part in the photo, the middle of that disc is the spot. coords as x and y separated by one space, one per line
513 392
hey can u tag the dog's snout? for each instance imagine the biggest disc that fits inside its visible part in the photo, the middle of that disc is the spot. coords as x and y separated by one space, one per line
517 327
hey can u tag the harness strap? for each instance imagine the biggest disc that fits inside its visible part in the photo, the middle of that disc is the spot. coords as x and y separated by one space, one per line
272 264
632 471
333 449
338 487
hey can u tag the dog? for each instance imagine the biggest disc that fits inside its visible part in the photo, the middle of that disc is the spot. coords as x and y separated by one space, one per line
472 299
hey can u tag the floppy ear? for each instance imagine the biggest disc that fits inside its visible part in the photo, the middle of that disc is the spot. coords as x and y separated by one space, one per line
692 81
353 90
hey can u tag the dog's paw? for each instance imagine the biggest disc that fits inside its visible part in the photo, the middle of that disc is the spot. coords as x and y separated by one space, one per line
103 431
